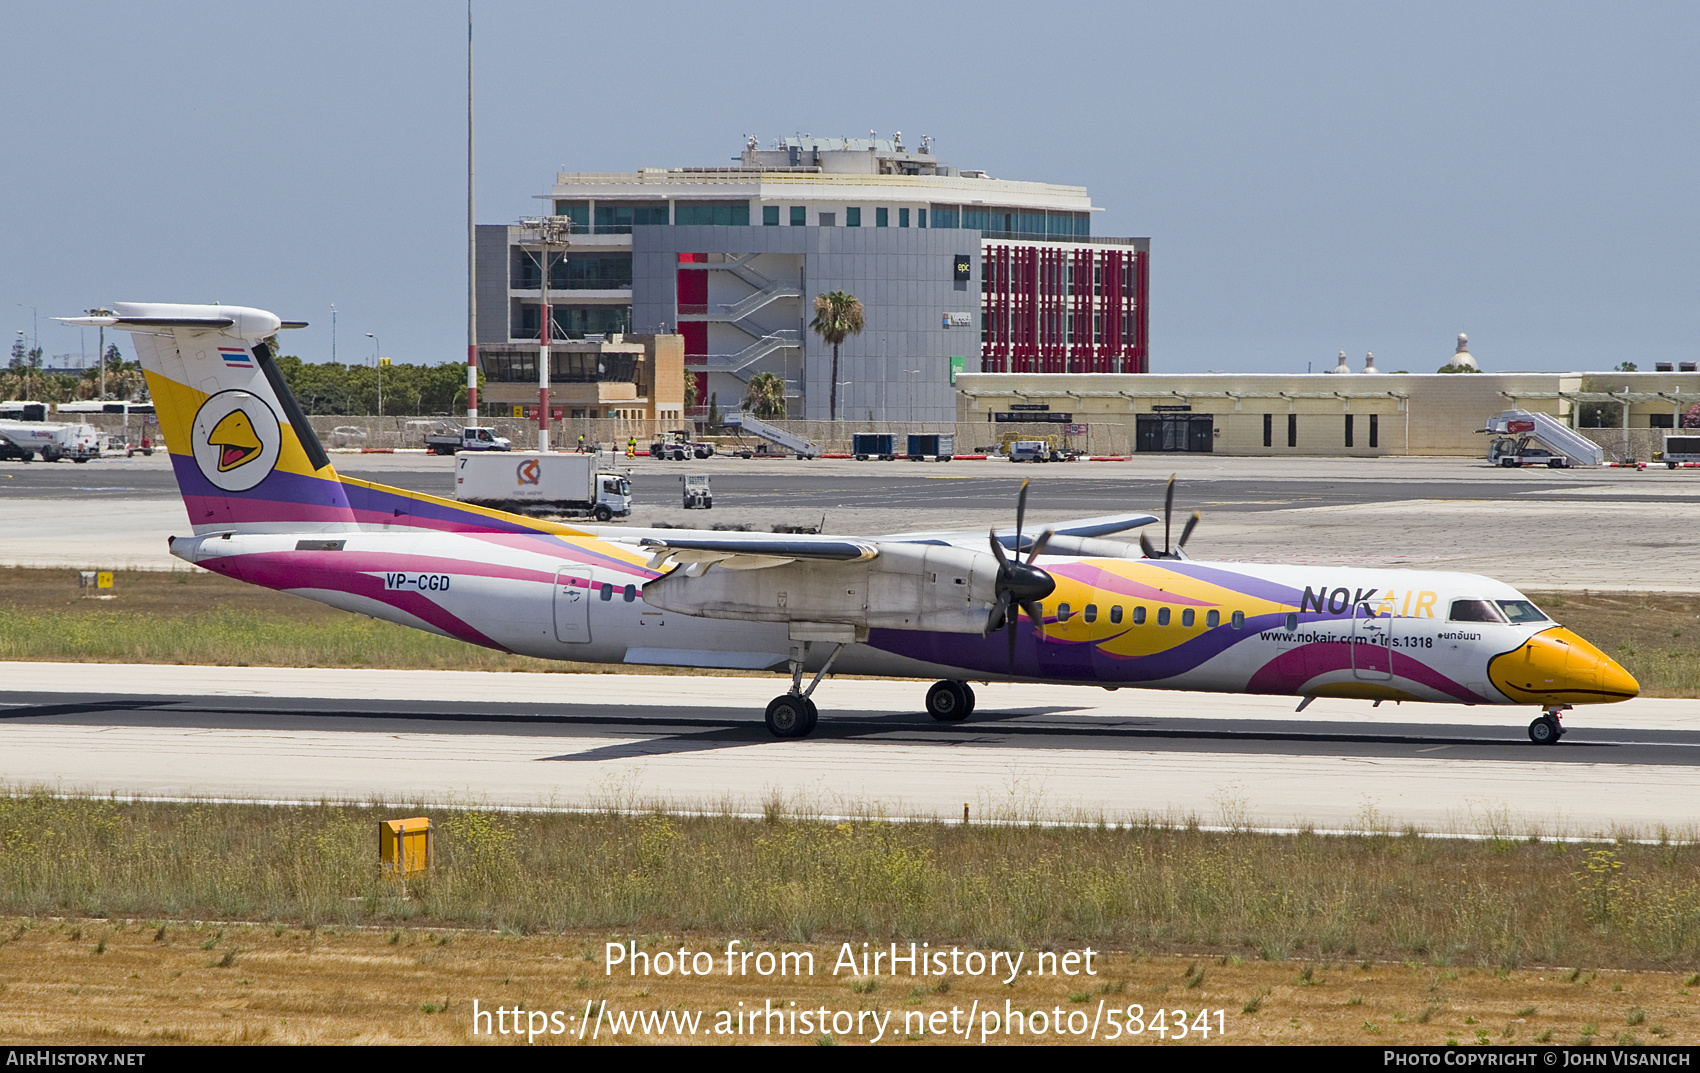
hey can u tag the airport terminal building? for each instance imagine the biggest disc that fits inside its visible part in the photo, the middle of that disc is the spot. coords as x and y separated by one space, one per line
1346 412
957 272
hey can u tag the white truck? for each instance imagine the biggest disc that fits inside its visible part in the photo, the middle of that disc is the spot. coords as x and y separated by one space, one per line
27 440
530 482
448 441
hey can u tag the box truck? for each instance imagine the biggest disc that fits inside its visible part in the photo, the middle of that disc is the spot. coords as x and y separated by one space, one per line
529 482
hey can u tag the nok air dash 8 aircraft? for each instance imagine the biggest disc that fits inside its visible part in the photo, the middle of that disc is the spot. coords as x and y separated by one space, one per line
1073 608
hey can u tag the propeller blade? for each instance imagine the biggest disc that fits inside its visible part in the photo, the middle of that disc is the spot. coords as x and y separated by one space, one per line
999 616
1036 612
1020 514
1168 510
997 549
1192 523
1039 545
1148 548
1012 648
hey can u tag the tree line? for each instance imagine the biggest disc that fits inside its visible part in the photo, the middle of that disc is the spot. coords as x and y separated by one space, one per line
334 388
24 378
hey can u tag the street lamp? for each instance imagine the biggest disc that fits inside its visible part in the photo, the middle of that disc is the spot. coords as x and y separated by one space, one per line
378 363
548 232
25 364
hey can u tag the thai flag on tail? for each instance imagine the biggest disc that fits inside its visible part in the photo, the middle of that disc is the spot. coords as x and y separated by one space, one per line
235 358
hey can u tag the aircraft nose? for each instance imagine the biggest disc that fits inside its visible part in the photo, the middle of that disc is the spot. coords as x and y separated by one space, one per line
1557 666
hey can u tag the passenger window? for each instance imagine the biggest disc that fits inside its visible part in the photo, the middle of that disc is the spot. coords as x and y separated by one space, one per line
1473 611
607 591
1062 612
631 593
1187 617
1292 621
1239 620
1091 613
1162 616
1116 613
1139 616
1213 619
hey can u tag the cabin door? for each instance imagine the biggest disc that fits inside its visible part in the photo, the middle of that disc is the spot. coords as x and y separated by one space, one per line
572 604
1372 644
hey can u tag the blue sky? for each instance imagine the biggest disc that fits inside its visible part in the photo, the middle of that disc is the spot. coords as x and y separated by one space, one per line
1313 177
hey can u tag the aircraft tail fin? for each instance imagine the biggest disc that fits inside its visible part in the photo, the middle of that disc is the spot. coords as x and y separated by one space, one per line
245 456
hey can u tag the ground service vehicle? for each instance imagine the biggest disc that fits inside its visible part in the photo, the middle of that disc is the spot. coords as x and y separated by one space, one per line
940 448
1682 448
1067 607
470 438
50 442
787 442
676 446
880 445
1029 451
528 482
696 493
1524 438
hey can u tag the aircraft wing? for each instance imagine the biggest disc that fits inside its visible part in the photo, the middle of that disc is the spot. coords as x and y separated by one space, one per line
1080 528
752 552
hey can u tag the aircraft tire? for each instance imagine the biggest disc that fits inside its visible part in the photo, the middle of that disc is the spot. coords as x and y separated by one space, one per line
788 716
950 702
1545 731
814 717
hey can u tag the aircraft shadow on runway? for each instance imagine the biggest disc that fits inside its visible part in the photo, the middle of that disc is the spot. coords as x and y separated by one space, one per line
709 729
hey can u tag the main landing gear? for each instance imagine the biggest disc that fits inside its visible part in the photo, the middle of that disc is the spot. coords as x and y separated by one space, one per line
1547 729
793 714
950 702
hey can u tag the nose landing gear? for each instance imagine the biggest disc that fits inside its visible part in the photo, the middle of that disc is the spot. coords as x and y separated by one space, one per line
1547 729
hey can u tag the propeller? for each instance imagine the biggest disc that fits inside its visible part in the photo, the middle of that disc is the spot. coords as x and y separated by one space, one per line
1150 549
1019 584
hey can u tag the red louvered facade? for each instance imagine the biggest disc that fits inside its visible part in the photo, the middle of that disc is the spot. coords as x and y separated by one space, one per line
1064 308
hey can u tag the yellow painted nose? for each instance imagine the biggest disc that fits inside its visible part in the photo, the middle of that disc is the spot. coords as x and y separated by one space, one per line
1557 667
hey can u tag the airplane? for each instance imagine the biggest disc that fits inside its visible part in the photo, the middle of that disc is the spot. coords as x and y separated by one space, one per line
268 507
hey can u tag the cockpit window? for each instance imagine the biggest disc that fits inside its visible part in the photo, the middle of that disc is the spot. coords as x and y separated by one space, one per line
1473 611
1521 611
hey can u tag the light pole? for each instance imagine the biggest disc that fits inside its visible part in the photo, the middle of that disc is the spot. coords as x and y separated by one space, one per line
548 232
25 363
378 364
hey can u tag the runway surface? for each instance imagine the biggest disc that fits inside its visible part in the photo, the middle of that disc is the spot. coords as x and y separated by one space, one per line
1029 752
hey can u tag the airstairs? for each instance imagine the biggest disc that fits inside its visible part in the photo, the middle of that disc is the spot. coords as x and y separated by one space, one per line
1513 429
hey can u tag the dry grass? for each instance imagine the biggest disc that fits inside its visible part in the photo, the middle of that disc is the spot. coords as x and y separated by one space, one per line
1494 903
118 982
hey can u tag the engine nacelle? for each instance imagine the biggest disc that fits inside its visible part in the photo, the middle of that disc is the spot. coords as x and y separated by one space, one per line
907 587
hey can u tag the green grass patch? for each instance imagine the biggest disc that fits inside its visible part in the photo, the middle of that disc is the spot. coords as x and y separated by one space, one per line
795 878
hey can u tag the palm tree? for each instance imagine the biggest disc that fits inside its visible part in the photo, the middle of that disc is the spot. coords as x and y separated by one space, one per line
838 316
765 396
